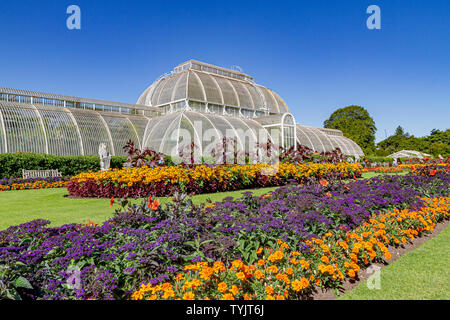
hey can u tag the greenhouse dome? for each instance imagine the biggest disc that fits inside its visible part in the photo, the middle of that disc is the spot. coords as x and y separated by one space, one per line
212 89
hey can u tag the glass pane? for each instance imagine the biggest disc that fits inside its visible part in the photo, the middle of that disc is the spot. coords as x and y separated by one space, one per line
23 130
62 135
93 132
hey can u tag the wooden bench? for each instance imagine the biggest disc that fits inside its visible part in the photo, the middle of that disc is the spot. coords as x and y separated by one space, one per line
28 174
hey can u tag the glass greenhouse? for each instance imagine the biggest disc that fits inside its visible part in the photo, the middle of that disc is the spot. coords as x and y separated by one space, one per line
409 154
196 102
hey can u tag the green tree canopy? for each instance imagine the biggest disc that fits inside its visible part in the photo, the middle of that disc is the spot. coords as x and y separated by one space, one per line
401 132
356 124
437 143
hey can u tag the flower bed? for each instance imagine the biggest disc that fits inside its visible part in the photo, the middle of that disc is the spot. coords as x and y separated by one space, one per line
289 273
150 244
416 168
442 166
34 183
164 181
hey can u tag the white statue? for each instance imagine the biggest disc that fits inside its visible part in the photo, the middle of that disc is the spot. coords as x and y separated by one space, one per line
105 158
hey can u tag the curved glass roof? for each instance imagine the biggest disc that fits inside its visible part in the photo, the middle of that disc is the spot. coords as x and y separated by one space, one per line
169 133
409 154
65 131
209 84
319 140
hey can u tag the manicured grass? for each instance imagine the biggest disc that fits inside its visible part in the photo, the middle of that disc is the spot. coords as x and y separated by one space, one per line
367 175
53 204
420 274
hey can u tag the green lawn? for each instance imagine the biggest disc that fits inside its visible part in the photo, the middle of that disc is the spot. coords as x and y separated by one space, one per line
52 204
420 274
367 175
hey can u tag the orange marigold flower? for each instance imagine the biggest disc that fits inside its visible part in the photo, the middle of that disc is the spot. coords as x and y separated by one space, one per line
237 264
301 284
277 255
234 290
222 287
259 274
304 264
240 276
227 296
269 290
189 296
387 255
273 269
218 267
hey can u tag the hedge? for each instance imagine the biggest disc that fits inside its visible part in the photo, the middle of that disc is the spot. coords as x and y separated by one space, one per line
11 164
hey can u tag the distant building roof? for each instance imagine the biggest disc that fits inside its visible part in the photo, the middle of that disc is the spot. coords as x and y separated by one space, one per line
409 154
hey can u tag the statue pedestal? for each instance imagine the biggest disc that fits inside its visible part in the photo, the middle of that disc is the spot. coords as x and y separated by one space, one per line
105 163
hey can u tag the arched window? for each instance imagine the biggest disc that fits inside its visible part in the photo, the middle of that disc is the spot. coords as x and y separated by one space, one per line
288 130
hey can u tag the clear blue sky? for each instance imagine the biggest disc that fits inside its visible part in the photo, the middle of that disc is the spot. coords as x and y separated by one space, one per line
317 55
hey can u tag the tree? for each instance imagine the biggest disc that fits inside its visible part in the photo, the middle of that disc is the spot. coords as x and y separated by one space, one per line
399 131
356 124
